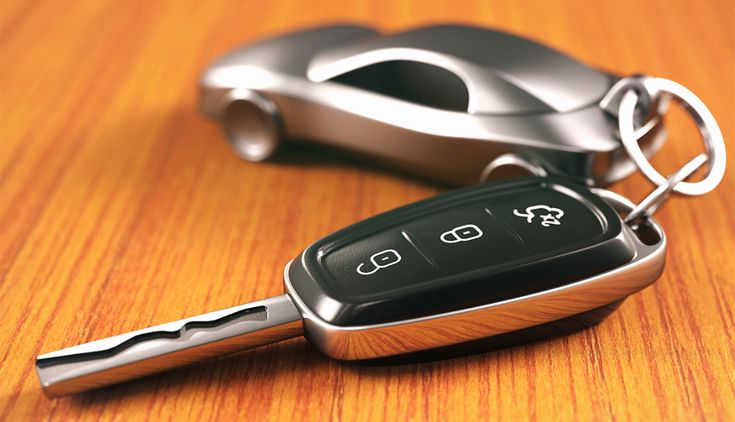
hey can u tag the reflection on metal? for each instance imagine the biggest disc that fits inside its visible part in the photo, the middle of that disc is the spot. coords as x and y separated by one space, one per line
177 343
631 94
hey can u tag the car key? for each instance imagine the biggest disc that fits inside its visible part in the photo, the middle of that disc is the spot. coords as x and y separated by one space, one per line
484 262
465 265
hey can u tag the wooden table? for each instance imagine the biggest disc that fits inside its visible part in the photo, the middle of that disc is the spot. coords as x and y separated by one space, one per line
122 207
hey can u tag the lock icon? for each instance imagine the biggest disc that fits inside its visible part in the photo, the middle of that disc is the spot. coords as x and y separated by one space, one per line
379 260
461 234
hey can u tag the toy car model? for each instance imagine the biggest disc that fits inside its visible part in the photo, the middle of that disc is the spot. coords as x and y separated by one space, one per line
443 101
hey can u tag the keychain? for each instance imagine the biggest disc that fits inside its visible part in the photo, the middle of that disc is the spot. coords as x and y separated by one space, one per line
441 101
475 263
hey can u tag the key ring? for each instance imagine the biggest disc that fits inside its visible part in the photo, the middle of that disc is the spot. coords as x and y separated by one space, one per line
655 199
624 98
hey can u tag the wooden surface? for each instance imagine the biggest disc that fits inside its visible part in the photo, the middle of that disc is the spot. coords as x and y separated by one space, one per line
122 207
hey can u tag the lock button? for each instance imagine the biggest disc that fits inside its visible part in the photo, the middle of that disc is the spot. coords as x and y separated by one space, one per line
465 238
461 234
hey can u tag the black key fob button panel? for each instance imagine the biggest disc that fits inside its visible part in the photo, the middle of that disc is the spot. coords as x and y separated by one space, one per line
465 248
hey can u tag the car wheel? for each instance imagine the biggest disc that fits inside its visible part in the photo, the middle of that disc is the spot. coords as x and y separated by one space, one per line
509 166
252 125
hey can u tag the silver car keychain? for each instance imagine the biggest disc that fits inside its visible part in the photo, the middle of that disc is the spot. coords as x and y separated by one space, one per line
441 101
511 259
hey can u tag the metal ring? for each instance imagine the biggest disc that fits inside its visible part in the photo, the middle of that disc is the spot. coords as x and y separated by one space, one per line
653 201
713 142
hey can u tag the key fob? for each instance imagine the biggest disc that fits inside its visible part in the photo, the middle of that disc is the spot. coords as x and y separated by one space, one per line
471 264
495 264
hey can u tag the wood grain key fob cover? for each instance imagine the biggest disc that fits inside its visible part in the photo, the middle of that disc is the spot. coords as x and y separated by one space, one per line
469 264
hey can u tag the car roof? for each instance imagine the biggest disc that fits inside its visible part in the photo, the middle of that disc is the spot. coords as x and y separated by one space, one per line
503 72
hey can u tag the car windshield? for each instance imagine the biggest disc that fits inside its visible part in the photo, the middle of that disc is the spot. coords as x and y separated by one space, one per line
418 83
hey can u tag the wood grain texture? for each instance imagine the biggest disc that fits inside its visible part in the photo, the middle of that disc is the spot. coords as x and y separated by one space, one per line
122 207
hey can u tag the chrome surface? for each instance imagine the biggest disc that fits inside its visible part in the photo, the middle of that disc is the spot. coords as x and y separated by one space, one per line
252 124
378 340
630 93
327 86
177 343
498 69
512 165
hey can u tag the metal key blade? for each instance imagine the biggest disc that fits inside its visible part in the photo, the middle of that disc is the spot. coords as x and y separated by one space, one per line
138 353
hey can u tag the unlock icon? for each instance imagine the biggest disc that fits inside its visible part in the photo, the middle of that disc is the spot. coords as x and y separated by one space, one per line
379 260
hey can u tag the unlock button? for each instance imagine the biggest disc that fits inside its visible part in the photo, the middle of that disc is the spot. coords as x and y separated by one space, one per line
379 260
376 265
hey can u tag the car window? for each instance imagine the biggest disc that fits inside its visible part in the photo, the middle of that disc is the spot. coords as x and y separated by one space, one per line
415 82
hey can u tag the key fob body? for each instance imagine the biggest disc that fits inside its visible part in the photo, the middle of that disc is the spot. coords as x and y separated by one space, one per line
471 264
